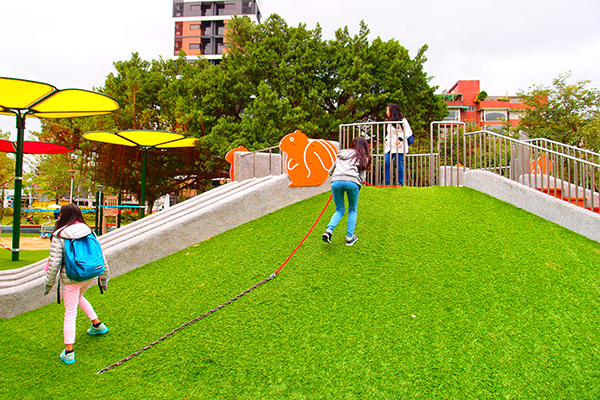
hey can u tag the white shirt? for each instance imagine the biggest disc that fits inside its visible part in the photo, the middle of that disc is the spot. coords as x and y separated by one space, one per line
397 135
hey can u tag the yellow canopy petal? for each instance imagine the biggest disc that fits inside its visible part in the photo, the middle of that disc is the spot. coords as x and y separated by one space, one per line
74 103
148 138
142 138
108 137
188 142
19 94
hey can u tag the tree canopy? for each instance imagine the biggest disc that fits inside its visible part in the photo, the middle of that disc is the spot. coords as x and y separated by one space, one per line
273 80
566 112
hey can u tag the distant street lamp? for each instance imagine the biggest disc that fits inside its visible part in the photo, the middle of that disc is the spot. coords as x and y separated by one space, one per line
72 173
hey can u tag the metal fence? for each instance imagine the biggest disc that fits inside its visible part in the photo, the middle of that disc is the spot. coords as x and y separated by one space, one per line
267 161
409 169
563 171
560 170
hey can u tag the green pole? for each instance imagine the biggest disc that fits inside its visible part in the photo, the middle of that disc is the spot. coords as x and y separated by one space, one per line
100 212
97 213
144 163
119 211
18 185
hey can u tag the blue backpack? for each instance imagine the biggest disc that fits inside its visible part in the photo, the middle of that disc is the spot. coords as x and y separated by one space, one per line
83 258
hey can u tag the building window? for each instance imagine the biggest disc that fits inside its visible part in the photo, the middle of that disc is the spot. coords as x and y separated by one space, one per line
195 46
178 45
207 28
219 28
514 115
494 115
195 10
207 9
226 8
220 46
178 29
247 7
178 10
453 115
195 27
207 46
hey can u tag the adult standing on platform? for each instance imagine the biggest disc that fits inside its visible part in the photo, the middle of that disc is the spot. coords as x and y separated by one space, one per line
396 142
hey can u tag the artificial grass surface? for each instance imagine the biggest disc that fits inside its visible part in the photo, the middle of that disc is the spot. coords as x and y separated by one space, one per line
26 257
449 293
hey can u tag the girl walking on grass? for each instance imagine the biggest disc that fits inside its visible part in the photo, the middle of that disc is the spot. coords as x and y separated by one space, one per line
347 176
71 225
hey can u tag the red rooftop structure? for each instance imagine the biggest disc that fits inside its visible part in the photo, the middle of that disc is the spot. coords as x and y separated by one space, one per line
467 103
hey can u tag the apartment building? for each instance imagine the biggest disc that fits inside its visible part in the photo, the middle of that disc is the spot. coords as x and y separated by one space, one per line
201 26
467 103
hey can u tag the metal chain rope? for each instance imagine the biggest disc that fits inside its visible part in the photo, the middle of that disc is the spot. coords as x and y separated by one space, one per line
274 275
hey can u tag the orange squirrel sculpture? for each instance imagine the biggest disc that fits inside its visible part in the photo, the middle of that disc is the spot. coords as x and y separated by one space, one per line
308 160
230 158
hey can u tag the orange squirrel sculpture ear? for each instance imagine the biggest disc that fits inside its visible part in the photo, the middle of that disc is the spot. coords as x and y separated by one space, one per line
230 158
308 160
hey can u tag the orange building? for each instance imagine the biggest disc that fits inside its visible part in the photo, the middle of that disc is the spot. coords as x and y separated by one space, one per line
467 103
201 26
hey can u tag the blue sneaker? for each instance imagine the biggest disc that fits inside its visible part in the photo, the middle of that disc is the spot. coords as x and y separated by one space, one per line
350 241
101 330
67 358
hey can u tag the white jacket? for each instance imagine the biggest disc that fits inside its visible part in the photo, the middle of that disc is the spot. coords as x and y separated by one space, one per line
57 251
397 135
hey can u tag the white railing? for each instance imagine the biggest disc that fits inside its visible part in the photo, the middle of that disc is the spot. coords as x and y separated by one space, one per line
417 170
563 171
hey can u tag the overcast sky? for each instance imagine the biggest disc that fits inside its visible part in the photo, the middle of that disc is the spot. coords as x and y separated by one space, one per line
508 45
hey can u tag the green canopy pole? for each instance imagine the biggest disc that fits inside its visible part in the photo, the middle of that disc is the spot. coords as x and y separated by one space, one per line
144 162
18 185
119 202
97 217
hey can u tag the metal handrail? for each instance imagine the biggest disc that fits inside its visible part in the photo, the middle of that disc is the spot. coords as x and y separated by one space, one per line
533 146
575 148
270 149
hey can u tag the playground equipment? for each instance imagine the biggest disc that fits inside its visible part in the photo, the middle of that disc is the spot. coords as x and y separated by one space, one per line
145 140
47 228
308 160
109 213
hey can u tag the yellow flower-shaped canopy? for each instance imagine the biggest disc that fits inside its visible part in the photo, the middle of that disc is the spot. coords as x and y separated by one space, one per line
23 98
142 138
145 139
36 99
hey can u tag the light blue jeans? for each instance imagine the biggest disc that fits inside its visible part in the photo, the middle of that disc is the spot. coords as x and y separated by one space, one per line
338 188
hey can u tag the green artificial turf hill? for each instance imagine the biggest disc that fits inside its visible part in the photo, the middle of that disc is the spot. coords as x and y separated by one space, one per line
448 293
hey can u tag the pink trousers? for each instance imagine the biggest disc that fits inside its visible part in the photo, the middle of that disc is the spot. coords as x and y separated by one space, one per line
72 297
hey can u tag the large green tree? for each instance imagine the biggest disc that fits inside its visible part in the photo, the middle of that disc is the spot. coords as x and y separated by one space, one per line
565 112
273 80
285 78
